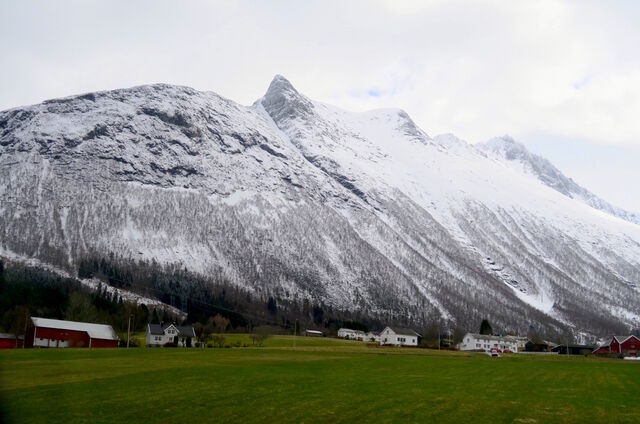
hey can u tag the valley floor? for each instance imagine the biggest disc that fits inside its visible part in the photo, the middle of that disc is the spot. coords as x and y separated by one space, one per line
323 380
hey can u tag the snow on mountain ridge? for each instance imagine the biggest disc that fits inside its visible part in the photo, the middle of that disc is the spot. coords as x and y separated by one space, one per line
298 198
512 152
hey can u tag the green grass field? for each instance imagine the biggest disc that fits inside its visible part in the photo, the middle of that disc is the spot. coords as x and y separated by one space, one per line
323 380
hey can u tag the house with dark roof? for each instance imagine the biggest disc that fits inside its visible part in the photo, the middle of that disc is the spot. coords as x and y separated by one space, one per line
620 345
396 336
538 345
170 334
574 349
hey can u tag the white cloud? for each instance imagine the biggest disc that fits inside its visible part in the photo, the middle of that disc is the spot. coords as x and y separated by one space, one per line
476 68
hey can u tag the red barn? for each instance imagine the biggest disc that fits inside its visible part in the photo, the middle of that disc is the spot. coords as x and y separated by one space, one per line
625 345
8 341
45 332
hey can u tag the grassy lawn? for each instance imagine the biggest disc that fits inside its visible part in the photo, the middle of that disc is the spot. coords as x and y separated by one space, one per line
321 381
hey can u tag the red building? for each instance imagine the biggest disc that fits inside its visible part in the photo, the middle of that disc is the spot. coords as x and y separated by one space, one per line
45 332
620 345
8 341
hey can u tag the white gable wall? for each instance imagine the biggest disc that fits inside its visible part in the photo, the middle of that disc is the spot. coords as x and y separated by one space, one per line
389 337
168 337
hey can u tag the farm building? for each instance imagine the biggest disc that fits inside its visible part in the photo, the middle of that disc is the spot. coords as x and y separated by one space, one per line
313 333
399 337
484 342
521 342
170 334
538 346
9 341
620 345
347 333
45 332
573 349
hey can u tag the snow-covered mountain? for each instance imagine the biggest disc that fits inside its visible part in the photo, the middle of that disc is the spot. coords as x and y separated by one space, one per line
516 154
300 199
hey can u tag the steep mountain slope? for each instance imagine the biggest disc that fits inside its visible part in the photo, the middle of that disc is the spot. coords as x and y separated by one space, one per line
299 199
515 154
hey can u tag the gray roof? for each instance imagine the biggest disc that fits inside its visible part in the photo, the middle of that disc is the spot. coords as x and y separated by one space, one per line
405 331
574 346
158 329
10 336
349 329
492 337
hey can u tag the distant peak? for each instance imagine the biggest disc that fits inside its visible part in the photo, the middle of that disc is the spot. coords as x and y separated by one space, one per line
505 142
506 139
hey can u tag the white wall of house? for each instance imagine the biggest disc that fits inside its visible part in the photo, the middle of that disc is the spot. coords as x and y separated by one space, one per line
347 333
473 341
371 337
158 340
389 337
168 337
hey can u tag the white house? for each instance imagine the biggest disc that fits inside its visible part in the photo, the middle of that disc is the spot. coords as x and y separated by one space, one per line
371 337
399 337
161 334
521 342
484 342
347 333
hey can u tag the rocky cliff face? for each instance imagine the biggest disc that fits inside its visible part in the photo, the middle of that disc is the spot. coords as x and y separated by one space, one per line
296 198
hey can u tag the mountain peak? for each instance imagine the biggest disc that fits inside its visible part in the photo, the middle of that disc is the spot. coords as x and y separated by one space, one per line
283 101
279 84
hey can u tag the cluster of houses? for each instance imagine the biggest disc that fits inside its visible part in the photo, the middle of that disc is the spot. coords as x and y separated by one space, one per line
46 332
628 346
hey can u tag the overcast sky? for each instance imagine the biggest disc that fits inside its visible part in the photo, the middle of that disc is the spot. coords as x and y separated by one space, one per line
563 77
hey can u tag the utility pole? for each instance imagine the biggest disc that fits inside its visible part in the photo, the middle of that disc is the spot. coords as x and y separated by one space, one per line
295 329
129 330
438 335
26 324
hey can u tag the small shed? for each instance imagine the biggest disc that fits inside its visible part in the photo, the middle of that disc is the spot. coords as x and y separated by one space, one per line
9 341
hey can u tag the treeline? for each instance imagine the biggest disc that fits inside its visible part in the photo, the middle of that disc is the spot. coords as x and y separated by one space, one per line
32 291
202 297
